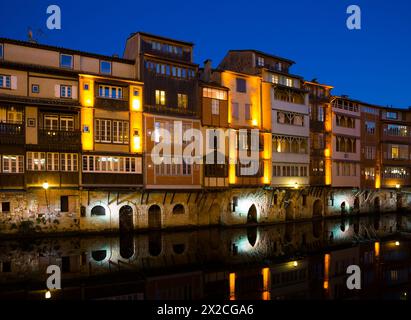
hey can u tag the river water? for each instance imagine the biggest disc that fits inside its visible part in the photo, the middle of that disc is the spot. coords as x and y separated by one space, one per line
306 260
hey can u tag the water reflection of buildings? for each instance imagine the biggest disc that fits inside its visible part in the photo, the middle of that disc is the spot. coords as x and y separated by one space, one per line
288 261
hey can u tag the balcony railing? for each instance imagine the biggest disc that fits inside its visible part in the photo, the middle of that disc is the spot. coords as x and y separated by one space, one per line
169 110
11 133
59 139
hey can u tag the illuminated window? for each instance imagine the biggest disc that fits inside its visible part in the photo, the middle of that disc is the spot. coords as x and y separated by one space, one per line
51 122
369 173
395 152
182 100
68 162
260 61
320 114
215 106
369 153
214 93
289 82
11 115
105 67
36 161
66 61
396 130
112 164
66 123
275 78
13 164
52 161
160 97
103 131
110 92
120 132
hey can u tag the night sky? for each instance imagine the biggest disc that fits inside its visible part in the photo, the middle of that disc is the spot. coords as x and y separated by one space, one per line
372 64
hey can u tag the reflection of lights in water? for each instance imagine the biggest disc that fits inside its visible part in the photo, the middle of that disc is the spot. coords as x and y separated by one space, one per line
341 229
295 264
243 243
397 243
48 294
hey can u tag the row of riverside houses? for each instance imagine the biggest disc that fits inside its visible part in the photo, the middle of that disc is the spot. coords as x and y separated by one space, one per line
80 120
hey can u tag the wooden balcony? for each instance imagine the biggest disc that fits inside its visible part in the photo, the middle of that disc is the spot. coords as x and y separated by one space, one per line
169 111
57 140
112 180
11 133
54 178
12 181
112 104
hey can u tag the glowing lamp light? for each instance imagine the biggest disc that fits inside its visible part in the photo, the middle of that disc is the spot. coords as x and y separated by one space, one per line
48 294
296 185
136 104
295 264
398 186
88 101
254 122
397 243
45 185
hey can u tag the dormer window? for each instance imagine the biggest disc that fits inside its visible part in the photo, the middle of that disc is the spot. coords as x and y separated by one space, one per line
105 67
66 61
260 61
279 66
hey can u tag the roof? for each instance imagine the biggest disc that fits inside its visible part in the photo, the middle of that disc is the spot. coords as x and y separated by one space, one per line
319 84
264 54
370 104
64 50
150 35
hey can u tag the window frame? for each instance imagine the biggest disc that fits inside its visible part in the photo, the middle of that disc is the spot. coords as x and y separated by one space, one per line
19 165
109 63
71 61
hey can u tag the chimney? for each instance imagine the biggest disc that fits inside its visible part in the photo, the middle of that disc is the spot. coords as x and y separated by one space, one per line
207 71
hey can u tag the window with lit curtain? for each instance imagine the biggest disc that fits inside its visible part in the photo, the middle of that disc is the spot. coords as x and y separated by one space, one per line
160 97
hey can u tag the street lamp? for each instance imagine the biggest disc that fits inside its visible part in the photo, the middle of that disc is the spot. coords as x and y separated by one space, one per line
45 187
48 294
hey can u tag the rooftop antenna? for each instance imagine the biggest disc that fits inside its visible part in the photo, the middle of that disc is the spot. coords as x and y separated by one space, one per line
33 36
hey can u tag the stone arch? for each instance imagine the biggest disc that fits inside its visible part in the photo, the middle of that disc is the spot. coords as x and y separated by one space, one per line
126 223
90 208
154 217
252 214
126 245
98 210
179 209
377 204
252 235
317 208
99 255
289 211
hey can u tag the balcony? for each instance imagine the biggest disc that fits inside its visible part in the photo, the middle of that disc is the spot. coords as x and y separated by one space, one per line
169 110
111 104
11 133
58 140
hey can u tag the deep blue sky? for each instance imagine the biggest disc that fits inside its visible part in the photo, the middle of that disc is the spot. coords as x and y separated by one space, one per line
372 64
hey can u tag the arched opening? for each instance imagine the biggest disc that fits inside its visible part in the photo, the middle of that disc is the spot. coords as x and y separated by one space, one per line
155 243
178 209
99 255
98 211
154 217
126 219
289 211
252 235
317 208
252 214
343 208
399 202
377 204
126 245
357 204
